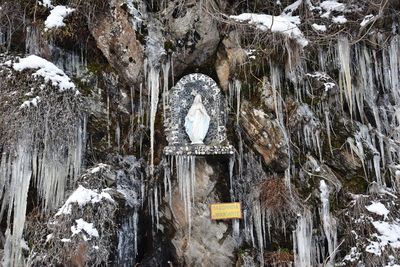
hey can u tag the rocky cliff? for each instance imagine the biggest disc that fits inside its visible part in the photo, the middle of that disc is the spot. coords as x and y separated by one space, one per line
312 96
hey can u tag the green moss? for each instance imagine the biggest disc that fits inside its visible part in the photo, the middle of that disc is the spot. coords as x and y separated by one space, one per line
84 87
96 67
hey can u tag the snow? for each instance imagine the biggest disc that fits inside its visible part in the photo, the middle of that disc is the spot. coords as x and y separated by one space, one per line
49 237
353 256
282 24
24 245
332 6
89 229
328 86
83 196
45 69
389 234
99 167
378 208
339 19
367 19
46 3
32 102
56 17
293 7
317 27
65 240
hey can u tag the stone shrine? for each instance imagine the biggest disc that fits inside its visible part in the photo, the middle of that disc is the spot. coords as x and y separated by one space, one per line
196 92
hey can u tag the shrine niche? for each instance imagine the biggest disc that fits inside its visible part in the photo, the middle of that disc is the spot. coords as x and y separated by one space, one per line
195 122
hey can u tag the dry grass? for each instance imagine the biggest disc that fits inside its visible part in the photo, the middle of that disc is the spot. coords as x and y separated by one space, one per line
275 196
278 259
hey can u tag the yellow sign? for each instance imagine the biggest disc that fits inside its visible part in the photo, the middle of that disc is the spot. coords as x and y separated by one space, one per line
223 211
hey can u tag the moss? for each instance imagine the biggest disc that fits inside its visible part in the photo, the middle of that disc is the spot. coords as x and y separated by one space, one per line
169 46
97 67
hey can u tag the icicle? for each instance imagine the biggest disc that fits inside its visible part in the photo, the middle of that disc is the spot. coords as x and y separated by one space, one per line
234 92
236 229
394 51
20 176
302 240
118 136
165 68
345 75
276 86
186 176
328 223
259 229
52 167
108 122
153 87
231 165
328 129
156 207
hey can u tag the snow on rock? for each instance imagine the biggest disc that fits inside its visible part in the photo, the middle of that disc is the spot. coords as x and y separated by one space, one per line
339 19
98 168
88 228
330 6
83 196
389 235
56 17
282 24
320 28
32 102
378 208
45 69
367 19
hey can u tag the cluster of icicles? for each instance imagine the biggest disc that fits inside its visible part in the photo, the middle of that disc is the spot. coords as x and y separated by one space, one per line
49 164
359 84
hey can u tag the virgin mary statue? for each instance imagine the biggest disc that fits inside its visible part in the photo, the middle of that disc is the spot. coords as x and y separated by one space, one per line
197 121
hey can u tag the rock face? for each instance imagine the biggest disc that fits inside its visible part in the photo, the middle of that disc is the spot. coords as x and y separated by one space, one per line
117 39
192 32
266 137
208 242
96 167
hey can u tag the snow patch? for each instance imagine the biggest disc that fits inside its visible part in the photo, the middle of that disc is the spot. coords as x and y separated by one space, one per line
32 102
282 24
46 3
331 5
45 69
378 208
389 234
98 168
83 196
339 19
56 17
89 229
320 28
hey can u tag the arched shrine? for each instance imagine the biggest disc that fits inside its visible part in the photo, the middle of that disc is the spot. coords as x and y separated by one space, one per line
196 106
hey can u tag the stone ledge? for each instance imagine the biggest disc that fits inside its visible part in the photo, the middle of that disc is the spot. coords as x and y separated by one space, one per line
199 150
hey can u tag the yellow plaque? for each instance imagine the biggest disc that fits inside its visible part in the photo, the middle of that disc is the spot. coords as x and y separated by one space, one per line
222 211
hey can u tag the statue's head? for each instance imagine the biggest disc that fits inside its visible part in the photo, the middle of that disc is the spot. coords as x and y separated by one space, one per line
197 99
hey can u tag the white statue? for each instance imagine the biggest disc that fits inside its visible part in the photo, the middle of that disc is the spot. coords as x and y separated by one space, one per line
197 121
